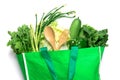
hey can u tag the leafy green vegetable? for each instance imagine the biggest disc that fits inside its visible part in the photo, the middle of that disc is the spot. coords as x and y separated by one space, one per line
98 39
20 40
94 37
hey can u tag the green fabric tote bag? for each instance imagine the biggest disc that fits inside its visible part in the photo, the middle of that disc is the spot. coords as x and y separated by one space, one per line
74 64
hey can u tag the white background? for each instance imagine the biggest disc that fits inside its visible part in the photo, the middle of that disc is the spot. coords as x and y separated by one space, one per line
97 13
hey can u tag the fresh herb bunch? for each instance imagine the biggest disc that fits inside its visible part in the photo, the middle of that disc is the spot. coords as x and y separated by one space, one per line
20 40
93 37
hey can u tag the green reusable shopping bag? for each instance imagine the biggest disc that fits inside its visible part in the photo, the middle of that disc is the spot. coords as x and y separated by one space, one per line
74 64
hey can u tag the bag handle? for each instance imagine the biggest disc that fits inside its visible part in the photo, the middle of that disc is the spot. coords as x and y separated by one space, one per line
72 64
46 56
